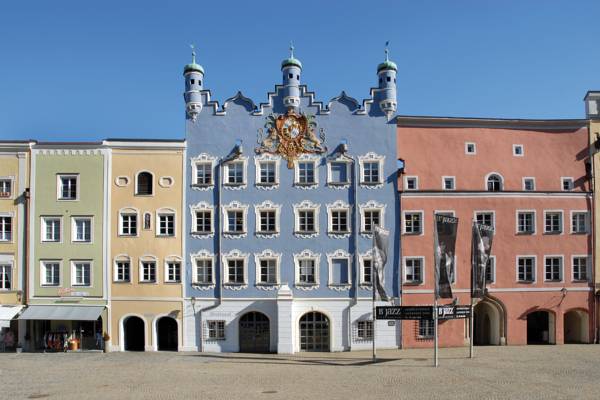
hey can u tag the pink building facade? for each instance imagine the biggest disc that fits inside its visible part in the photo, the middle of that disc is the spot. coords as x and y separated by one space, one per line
527 178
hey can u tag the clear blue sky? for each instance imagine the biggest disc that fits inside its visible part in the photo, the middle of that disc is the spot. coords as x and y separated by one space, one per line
82 70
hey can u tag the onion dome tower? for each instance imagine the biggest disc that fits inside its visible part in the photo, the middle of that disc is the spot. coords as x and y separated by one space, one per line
386 71
194 76
291 69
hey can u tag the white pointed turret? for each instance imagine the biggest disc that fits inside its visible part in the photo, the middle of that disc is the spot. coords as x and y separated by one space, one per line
194 77
386 71
291 69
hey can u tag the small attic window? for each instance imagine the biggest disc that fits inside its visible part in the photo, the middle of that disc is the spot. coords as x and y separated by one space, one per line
298 77
192 81
291 76
389 79
199 82
380 80
394 80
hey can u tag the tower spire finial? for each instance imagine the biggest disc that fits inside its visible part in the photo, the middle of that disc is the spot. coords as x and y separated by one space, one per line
291 49
193 53
387 51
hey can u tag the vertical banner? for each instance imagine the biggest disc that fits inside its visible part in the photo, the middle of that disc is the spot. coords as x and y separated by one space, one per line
381 242
481 249
445 241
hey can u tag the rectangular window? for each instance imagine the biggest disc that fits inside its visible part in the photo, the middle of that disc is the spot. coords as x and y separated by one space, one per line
50 273
413 270
129 224
413 223
411 183
307 221
567 184
216 330
526 269
81 273
204 271
364 330
518 150
5 277
367 271
235 173
235 271
306 173
268 271
448 183
123 271
5 229
526 222
580 269
82 230
235 221
173 271
579 222
51 229
268 223
553 269
203 221
166 224
426 328
339 271
339 172
528 184
339 221
267 173
489 270
148 271
553 222
372 219
68 187
204 174
371 172
485 218
307 271
470 148
5 188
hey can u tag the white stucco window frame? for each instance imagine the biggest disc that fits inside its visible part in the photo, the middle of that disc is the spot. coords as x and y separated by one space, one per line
43 263
11 215
267 205
422 218
493 212
368 255
488 176
75 218
532 179
202 206
451 179
517 146
406 179
268 254
129 211
207 159
264 158
121 258
571 182
7 260
164 211
561 272
339 254
562 222
306 158
59 177
348 161
405 281
470 153
12 193
339 205
368 158
173 258
225 179
79 261
202 255
535 266
371 205
306 254
520 211
43 219
234 254
587 222
588 269
306 205
135 186
235 206
148 258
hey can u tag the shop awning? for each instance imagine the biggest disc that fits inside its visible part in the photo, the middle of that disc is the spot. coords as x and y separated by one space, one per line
62 313
8 312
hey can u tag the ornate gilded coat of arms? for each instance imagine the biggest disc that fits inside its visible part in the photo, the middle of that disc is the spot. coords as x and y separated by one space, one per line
290 135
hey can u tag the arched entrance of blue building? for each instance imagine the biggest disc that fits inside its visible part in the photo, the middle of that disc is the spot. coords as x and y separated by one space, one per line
255 333
314 332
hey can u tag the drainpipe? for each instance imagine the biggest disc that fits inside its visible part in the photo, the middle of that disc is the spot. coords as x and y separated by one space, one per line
400 272
593 238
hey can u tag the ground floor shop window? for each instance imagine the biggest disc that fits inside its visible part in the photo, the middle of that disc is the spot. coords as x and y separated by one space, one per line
364 330
426 328
216 330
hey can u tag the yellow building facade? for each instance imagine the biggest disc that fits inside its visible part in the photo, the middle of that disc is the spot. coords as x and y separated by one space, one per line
14 198
146 268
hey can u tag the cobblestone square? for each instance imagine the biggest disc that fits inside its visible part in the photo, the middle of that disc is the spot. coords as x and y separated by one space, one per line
533 372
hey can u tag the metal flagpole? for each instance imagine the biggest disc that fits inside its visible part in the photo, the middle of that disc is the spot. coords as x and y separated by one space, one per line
471 330
435 285
473 274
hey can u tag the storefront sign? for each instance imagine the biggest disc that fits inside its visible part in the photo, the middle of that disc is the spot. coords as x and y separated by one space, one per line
454 312
404 312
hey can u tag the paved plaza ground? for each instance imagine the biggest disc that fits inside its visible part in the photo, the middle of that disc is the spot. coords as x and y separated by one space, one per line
533 372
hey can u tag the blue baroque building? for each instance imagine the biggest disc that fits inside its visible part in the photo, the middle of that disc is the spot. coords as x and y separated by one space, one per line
281 201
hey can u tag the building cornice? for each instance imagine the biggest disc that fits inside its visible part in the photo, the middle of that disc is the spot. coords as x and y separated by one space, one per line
498 123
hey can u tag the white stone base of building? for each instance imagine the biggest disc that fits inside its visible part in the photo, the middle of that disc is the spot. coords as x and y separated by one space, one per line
284 316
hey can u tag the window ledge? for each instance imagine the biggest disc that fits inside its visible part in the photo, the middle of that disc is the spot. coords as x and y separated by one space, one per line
526 233
339 235
268 286
340 287
267 235
412 283
306 234
306 286
234 186
553 233
121 282
203 286
235 235
369 185
235 286
203 187
202 235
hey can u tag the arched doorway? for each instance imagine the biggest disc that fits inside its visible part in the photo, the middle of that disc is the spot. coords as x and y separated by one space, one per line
314 332
255 333
540 327
166 330
576 327
488 322
134 334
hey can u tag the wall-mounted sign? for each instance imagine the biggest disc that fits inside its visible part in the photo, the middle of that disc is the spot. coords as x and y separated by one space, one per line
404 312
